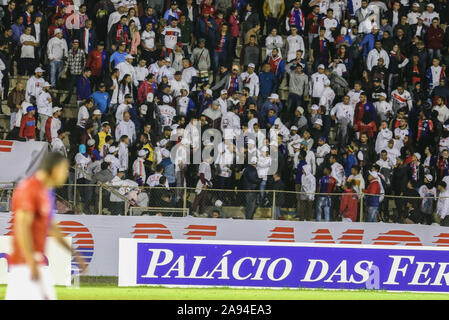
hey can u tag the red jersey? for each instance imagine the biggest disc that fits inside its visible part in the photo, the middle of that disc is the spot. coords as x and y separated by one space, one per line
32 196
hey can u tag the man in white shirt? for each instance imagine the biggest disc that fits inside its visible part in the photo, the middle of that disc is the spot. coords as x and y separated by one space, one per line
57 145
115 16
34 85
294 43
176 84
56 51
443 201
273 40
123 151
317 84
375 54
330 24
140 72
171 34
126 127
83 113
251 80
44 108
126 67
27 58
343 114
124 107
147 40
429 15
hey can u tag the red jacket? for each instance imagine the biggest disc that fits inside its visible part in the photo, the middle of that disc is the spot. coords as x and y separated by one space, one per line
144 89
94 62
434 37
349 205
28 127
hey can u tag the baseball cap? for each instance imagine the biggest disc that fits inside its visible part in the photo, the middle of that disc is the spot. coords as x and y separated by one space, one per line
383 94
38 69
431 5
46 84
165 153
209 91
253 160
319 121
141 153
273 96
57 30
56 109
113 149
128 56
300 109
374 174
97 112
166 99
90 142
144 109
167 59
123 43
75 41
416 4
251 65
429 177
293 128
417 155
162 142
30 108
202 40
315 107
321 66
122 169
224 91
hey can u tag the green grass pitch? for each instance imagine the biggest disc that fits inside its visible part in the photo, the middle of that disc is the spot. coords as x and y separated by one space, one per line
95 290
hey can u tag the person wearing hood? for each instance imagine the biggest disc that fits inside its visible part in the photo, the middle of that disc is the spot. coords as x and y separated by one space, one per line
251 181
308 189
428 193
139 167
213 115
169 168
372 198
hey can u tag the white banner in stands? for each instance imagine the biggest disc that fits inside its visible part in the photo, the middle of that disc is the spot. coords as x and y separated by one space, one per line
29 153
97 237
58 260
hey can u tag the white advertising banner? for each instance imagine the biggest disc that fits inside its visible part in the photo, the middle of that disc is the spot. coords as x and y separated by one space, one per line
58 258
97 237
29 153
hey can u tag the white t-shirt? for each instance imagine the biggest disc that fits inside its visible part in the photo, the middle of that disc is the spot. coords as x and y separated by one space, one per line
167 113
83 114
171 36
148 38
27 51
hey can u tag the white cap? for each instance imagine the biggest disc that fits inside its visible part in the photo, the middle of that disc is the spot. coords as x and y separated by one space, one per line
109 158
326 82
375 26
218 203
165 153
57 30
264 149
167 59
319 121
165 99
431 5
277 122
296 145
144 109
293 128
251 65
209 91
46 84
122 169
56 109
352 21
253 160
97 112
417 155
141 153
315 107
90 142
38 69
300 109
383 94
429 177
273 96
321 66
128 56
163 142
416 4
113 149
224 91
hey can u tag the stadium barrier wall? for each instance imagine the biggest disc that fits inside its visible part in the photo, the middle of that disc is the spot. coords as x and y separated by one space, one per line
282 265
58 260
96 238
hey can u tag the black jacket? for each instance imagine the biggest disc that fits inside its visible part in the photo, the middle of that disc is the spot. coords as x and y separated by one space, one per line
250 178
399 179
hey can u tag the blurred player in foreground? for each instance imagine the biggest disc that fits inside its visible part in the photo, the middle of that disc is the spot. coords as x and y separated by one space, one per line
33 205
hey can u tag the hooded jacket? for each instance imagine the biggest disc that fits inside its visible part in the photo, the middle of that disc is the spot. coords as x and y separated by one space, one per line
308 183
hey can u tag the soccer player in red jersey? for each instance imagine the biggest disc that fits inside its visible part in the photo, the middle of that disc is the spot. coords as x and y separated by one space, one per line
33 206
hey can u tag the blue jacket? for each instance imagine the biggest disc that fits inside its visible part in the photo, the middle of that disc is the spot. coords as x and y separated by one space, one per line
17 31
348 163
368 43
101 100
298 175
83 88
169 170
144 20
266 80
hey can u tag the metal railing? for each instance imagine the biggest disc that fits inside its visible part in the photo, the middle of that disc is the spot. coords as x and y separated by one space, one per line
105 199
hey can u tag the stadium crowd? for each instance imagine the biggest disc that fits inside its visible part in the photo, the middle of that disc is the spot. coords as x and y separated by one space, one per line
344 96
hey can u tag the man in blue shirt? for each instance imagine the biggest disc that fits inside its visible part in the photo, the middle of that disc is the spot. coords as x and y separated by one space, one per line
101 98
267 81
118 56
83 87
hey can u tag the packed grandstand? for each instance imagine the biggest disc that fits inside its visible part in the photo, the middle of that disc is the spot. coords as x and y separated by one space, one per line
316 110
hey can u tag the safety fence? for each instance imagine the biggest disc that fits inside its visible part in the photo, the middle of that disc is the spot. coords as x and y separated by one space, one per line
130 199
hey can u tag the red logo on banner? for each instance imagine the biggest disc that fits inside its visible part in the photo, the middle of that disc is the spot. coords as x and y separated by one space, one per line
282 234
143 230
323 236
6 146
82 240
196 232
352 236
443 240
394 237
